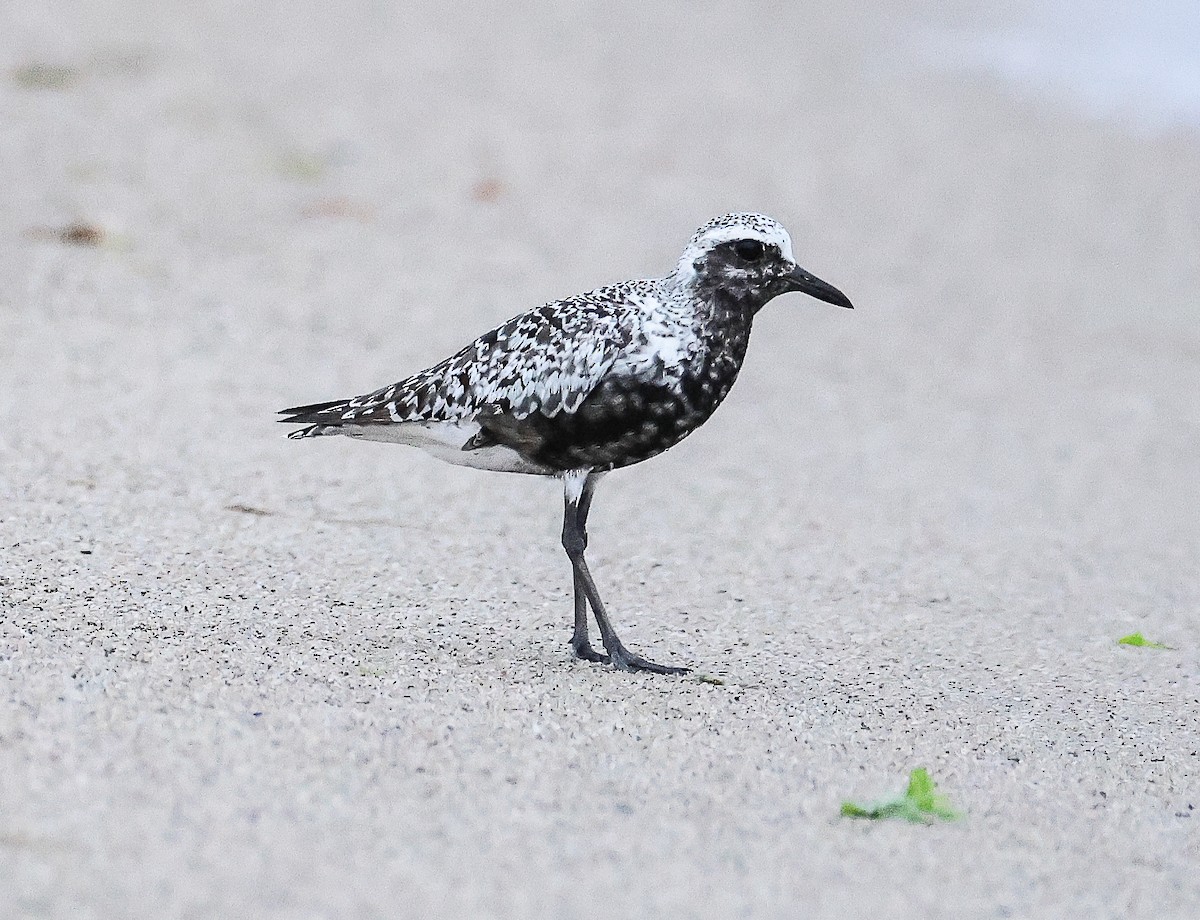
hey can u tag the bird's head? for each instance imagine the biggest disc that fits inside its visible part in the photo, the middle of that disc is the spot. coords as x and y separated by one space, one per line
748 257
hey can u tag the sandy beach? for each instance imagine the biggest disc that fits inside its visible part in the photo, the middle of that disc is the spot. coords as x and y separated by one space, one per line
242 676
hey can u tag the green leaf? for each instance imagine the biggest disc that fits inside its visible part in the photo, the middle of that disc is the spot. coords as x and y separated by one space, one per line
1141 641
920 803
920 789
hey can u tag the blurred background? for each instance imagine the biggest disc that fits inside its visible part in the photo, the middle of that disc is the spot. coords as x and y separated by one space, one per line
217 212
213 210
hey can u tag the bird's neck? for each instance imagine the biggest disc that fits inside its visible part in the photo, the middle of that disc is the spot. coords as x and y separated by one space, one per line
720 317
722 322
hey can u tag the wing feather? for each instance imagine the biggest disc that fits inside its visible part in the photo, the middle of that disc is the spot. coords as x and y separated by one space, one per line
547 360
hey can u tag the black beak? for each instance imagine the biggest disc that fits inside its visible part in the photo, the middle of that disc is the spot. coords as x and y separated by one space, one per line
800 280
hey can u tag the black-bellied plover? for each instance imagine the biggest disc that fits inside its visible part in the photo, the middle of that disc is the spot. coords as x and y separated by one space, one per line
591 383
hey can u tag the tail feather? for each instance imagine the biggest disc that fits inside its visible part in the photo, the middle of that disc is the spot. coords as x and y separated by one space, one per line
314 431
300 413
321 418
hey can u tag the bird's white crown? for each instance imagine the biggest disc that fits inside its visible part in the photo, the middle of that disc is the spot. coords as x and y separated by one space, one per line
735 226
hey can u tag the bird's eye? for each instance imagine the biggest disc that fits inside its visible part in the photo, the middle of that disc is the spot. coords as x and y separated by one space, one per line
749 250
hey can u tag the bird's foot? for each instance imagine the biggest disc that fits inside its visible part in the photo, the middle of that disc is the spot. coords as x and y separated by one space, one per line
625 660
584 652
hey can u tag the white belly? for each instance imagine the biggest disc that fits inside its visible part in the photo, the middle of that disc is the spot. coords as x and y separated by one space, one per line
445 441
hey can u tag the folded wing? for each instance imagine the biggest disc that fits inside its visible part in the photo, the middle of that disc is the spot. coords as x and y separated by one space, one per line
547 360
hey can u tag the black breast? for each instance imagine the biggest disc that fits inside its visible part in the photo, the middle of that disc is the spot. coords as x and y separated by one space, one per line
626 420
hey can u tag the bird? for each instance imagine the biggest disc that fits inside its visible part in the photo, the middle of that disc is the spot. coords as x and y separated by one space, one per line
589 384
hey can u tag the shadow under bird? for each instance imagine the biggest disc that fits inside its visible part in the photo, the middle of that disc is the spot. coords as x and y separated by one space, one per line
591 383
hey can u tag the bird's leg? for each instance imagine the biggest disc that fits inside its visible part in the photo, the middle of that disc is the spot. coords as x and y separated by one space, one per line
580 643
574 539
